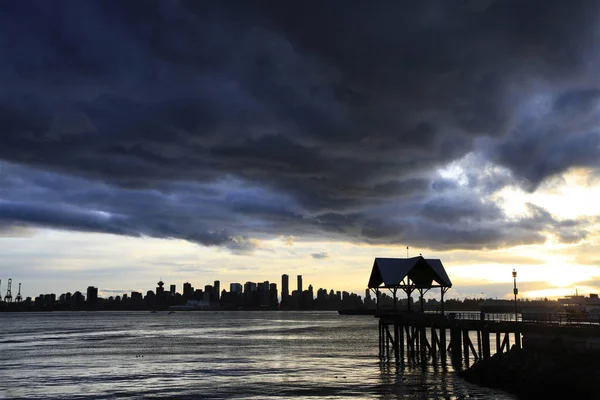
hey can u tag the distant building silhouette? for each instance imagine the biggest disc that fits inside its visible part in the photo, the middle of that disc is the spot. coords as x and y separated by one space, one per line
160 290
65 298
285 288
135 296
249 287
249 296
273 295
235 288
217 289
208 294
77 299
92 296
188 290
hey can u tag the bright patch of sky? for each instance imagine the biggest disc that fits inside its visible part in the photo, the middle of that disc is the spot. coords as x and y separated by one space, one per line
574 194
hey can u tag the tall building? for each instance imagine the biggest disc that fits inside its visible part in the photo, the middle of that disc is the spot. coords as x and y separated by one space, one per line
217 289
77 299
65 298
209 294
235 288
285 287
300 283
160 290
273 295
173 289
188 290
249 287
92 295
262 286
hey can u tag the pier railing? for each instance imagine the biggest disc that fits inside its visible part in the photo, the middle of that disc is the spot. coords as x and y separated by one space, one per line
562 318
479 316
555 318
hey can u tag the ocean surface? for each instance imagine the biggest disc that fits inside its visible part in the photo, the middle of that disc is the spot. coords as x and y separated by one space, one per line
212 355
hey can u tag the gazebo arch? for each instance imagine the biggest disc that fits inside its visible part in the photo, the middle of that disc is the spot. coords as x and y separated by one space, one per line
409 274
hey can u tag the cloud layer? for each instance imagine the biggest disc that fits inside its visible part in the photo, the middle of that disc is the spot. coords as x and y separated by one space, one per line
222 123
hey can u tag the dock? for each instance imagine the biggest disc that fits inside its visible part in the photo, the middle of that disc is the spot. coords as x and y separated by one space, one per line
462 337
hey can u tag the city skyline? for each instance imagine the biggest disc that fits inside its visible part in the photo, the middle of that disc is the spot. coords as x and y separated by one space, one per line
464 267
162 286
241 143
247 296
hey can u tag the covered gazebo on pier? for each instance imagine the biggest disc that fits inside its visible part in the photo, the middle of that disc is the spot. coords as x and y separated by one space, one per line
408 274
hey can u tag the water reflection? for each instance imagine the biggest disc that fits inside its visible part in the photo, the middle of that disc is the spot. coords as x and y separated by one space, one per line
242 355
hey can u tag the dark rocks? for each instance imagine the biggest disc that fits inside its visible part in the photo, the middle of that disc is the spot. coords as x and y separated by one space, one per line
549 373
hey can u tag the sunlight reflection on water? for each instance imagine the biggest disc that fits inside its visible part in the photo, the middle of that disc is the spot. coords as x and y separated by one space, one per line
242 355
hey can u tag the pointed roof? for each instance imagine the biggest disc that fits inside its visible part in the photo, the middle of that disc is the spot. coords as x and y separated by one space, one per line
424 273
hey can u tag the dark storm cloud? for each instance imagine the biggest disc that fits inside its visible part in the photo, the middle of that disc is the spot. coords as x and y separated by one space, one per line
453 209
218 122
63 218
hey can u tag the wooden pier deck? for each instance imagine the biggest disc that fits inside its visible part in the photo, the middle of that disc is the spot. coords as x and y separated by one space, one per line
466 337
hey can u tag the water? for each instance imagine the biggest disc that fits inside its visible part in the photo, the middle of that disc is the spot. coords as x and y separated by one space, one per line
221 355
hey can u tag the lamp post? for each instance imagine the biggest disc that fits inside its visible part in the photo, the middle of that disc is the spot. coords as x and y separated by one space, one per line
516 292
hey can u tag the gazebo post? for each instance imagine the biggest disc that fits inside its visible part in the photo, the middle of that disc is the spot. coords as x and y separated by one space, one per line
377 295
395 299
442 289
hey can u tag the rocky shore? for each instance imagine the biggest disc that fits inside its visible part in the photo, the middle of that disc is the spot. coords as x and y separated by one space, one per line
549 373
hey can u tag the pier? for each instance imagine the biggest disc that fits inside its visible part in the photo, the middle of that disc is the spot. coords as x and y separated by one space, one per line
461 337
421 337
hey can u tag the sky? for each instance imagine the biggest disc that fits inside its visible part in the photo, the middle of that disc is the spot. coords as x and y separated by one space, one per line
240 140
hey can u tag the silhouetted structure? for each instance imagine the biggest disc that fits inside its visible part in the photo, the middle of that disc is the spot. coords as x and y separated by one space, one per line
77 300
251 296
92 296
8 297
407 331
285 288
235 288
160 290
19 298
188 290
208 294
408 274
273 295
299 288
217 289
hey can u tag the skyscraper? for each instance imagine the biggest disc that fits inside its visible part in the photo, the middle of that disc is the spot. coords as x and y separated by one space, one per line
188 290
217 289
285 287
173 289
300 283
273 295
235 288
92 295
249 287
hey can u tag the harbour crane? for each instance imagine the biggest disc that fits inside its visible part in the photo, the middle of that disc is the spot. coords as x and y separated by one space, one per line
8 297
19 298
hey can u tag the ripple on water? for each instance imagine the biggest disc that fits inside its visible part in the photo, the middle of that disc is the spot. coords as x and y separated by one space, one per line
241 355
